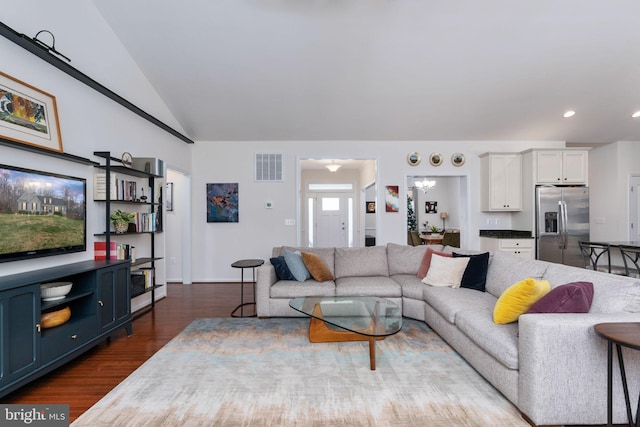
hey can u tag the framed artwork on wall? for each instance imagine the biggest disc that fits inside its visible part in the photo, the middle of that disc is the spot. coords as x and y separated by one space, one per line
222 202
371 207
414 158
431 207
28 115
391 198
435 159
169 196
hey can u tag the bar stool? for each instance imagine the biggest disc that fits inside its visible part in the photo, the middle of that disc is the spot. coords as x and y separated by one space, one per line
594 253
631 259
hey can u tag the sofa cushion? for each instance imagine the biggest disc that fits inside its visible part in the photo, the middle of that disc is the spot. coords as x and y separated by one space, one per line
449 301
506 269
296 265
404 259
282 271
573 297
411 286
359 262
317 268
327 254
518 298
475 275
611 293
375 286
500 341
446 271
425 263
293 289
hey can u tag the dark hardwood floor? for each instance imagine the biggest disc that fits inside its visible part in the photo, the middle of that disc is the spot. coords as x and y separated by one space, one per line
85 380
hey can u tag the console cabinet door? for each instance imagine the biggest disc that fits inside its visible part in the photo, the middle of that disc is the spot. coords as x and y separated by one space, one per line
114 301
20 339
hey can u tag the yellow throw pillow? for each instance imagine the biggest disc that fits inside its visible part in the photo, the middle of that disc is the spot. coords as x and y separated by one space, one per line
518 298
318 269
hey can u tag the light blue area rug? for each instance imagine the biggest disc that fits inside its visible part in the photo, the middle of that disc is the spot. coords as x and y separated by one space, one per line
264 372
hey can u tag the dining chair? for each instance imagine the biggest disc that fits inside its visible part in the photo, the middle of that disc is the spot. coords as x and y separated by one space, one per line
631 259
597 257
451 238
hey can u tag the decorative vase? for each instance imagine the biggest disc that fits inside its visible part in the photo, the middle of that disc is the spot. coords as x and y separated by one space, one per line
121 227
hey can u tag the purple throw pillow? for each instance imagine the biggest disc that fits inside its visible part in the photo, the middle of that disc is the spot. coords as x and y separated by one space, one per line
573 297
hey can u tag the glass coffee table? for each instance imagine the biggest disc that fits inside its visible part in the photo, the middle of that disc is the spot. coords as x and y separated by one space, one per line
341 319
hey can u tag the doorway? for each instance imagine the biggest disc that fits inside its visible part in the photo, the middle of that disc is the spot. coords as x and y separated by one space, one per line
332 202
331 219
445 205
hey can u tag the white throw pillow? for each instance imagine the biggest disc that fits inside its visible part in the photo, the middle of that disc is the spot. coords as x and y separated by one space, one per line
445 271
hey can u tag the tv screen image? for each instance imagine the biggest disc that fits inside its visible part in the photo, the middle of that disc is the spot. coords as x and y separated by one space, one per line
41 214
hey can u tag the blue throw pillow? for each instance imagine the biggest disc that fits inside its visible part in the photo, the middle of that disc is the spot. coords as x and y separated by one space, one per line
282 271
296 265
475 275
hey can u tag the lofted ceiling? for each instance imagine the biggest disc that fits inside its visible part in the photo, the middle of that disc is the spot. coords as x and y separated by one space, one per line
389 69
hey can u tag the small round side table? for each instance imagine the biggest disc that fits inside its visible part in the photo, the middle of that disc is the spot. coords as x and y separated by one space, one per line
623 334
242 264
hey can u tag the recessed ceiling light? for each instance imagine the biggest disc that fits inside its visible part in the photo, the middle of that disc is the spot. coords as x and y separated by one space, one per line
636 114
568 114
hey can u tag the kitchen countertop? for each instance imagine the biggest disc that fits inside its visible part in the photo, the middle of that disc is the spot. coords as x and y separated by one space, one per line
506 234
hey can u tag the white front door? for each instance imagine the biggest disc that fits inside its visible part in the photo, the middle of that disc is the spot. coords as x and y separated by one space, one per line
634 209
333 220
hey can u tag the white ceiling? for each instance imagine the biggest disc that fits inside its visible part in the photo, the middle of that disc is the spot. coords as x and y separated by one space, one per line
389 69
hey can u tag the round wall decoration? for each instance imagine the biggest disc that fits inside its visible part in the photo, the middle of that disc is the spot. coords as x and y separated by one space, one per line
414 158
435 159
457 159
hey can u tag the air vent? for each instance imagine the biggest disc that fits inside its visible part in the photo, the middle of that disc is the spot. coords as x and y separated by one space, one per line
268 167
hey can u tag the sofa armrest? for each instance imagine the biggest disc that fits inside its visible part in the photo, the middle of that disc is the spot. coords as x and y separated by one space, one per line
265 279
563 368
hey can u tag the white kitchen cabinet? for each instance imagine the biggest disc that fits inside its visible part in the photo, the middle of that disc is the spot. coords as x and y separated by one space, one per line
561 167
519 247
501 181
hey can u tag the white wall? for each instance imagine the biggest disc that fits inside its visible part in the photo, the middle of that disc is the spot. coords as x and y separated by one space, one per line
217 245
89 121
610 168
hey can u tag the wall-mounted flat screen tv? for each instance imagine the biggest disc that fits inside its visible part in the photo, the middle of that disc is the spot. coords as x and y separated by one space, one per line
41 214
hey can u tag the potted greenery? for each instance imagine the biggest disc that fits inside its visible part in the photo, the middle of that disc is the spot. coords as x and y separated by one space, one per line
434 229
121 220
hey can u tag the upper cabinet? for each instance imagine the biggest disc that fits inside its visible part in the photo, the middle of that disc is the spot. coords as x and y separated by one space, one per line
501 181
561 167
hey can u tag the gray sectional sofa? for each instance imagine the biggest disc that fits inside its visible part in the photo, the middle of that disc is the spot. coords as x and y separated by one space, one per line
553 367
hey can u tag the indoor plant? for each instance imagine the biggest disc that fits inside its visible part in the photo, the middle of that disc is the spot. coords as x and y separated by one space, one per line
121 220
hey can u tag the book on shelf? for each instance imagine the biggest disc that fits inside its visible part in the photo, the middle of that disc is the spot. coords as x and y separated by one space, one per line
100 250
117 251
144 275
100 186
119 189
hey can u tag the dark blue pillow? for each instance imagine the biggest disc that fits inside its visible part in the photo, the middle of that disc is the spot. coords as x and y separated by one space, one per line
475 275
282 271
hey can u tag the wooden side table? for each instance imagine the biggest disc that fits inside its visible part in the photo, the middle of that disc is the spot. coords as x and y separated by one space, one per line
242 264
623 334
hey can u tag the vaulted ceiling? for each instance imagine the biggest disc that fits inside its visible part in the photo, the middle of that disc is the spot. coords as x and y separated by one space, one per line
389 69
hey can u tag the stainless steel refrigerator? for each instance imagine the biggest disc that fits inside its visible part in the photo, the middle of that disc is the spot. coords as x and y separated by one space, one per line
562 220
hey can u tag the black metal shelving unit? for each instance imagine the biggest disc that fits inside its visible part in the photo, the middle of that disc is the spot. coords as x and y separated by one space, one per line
114 165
